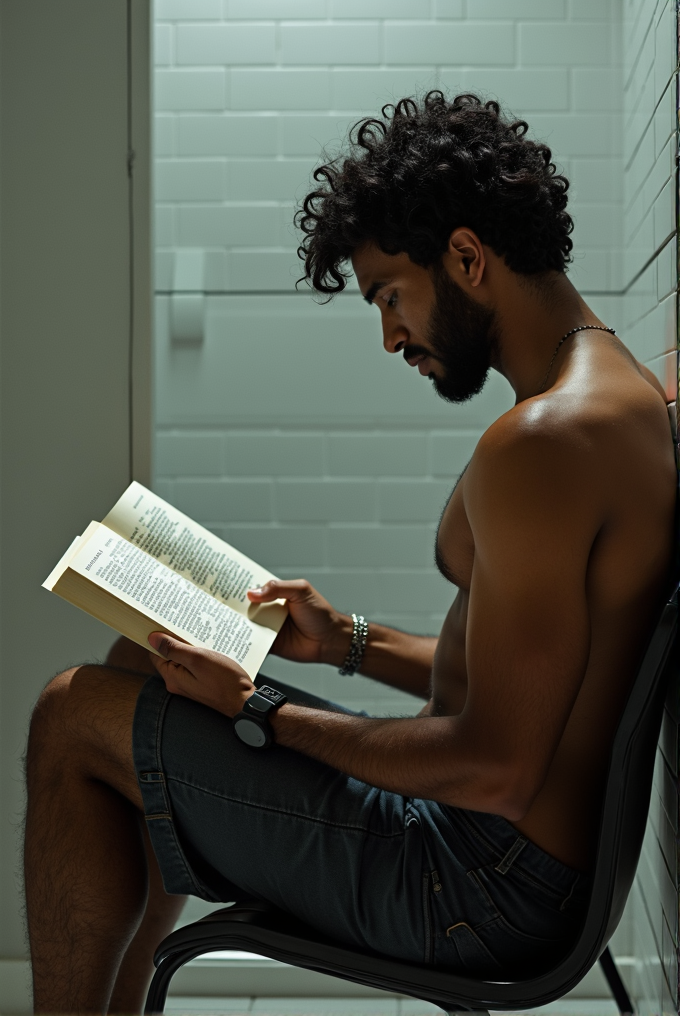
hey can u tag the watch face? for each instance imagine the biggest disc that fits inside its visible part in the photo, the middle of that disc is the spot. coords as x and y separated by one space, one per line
250 732
263 700
271 694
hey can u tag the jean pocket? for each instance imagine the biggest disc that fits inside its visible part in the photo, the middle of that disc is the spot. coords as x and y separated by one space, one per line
529 913
529 932
471 955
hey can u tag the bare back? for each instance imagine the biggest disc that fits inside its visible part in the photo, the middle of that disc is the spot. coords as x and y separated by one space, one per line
562 579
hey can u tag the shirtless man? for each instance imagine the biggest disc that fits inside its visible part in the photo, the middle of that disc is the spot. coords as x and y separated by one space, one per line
464 836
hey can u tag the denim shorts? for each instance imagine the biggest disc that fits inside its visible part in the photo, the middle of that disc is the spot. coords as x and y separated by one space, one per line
405 877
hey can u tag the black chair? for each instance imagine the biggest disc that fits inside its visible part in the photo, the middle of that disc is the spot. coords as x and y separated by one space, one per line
255 926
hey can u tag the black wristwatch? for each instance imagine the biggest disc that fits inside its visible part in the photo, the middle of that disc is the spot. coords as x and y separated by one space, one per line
251 725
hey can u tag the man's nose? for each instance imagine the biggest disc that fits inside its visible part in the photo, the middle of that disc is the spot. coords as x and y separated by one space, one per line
394 339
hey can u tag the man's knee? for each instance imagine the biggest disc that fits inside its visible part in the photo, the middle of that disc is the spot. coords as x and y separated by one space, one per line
49 718
83 721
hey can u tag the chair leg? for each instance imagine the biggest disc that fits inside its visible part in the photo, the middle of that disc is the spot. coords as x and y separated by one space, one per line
616 985
158 989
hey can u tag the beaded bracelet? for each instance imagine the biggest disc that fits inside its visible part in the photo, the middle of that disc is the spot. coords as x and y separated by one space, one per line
357 646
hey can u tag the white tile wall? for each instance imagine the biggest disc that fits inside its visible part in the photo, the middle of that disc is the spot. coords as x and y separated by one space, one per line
190 89
242 80
224 44
649 269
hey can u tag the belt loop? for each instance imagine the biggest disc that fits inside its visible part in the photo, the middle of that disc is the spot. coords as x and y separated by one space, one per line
151 777
513 853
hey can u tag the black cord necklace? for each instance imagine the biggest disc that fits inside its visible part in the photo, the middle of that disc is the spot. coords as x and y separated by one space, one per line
581 328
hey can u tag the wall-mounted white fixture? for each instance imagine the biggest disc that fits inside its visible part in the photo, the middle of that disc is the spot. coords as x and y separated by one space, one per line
187 303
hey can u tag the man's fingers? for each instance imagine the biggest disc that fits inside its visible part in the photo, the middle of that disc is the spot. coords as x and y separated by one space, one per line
295 590
178 679
173 650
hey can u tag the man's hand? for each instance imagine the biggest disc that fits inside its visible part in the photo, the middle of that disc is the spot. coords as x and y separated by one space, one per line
313 632
200 674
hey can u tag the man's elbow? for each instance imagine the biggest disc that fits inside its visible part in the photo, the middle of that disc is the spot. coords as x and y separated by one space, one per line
507 792
512 807
513 792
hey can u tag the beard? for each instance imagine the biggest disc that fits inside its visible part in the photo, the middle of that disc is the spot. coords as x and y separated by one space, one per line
463 337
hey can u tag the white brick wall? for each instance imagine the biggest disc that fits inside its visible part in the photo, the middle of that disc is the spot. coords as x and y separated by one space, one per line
250 88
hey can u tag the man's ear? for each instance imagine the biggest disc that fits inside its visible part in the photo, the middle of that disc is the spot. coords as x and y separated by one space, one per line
464 259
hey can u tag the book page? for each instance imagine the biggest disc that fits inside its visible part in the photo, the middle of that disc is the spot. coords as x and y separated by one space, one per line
167 598
150 523
63 564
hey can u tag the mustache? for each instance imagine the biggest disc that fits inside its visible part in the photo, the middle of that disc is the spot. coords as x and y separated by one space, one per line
409 352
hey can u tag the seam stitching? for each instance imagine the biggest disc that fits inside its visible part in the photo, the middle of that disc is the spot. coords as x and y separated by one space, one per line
288 814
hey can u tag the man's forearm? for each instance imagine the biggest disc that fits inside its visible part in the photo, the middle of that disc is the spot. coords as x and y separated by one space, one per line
393 657
416 757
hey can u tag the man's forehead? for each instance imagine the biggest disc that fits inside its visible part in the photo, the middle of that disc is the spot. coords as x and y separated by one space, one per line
372 265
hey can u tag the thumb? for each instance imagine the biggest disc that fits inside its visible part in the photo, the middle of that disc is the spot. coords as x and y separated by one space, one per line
173 649
294 590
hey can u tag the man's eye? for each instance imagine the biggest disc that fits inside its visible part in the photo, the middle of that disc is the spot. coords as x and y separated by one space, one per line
392 300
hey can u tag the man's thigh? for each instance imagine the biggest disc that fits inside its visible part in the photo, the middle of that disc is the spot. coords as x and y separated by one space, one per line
226 821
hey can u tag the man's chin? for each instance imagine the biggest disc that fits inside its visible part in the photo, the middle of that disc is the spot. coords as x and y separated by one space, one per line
453 393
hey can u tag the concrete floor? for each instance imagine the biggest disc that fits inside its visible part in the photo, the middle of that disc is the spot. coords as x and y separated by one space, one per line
181 1006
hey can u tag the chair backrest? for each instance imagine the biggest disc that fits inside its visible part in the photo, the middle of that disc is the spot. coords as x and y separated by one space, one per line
631 772
628 791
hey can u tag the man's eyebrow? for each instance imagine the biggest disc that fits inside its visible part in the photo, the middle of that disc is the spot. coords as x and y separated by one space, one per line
372 290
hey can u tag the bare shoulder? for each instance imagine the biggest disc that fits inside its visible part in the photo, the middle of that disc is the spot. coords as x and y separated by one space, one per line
591 443
534 466
541 434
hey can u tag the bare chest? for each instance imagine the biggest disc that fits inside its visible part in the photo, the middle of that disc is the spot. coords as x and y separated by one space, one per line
455 546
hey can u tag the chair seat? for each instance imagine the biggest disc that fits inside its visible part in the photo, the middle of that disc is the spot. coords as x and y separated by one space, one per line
256 926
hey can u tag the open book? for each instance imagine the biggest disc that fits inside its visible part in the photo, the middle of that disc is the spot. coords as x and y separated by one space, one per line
147 567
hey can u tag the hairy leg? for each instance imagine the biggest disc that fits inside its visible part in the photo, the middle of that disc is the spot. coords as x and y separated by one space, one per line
85 861
136 968
161 912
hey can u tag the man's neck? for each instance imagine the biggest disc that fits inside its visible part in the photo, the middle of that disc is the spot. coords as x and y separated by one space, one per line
532 318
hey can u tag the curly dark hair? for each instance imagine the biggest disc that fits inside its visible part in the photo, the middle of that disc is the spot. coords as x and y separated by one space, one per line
424 168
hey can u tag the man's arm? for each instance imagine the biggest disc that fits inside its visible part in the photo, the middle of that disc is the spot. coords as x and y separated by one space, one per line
396 658
527 646
315 632
431 757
